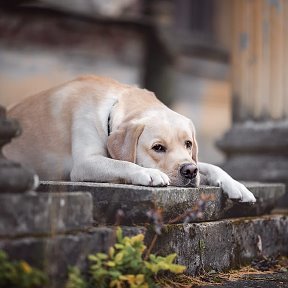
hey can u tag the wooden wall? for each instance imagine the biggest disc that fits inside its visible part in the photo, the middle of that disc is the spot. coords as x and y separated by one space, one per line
260 59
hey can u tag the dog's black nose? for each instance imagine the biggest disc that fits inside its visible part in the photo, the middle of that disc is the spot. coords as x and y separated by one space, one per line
189 170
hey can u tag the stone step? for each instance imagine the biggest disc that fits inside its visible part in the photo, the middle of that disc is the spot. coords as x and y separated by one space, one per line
44 213
136 201
52 228
60 212
225 244
206 246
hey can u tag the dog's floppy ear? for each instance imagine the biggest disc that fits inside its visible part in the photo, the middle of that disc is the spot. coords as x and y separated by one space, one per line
195 145
122 143
195 149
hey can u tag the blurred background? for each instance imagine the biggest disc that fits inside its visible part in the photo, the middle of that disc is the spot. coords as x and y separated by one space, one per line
178 50
221 63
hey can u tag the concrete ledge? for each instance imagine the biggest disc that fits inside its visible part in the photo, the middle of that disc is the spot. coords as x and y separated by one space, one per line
225 244
44 213
136 201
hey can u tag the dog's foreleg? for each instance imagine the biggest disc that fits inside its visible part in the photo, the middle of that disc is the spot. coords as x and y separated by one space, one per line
102 169
215 176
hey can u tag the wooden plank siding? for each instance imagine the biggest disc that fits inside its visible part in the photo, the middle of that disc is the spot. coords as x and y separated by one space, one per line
260 59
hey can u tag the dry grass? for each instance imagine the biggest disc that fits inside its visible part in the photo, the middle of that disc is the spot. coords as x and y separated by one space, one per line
214 278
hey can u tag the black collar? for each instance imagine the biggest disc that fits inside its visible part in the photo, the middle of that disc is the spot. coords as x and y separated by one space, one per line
108 124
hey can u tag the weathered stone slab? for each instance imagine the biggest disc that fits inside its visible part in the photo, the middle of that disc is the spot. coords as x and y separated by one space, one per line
267 196
54 255
136 201
224 244
44 213
218 245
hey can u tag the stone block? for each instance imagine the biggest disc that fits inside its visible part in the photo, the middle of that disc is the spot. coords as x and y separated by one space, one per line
44 213
225 244
136 201
55 254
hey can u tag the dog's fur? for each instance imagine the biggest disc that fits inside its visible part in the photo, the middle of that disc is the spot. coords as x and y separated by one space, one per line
96 129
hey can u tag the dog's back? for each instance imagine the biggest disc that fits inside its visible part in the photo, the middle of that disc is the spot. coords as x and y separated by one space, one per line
46 120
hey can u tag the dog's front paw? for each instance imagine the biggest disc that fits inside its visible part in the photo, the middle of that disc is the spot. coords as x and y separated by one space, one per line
237 191
149 177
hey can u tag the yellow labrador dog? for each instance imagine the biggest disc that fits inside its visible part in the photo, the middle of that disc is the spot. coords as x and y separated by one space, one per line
96 129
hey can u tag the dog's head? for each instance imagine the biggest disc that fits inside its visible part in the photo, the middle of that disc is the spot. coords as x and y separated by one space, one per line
159 139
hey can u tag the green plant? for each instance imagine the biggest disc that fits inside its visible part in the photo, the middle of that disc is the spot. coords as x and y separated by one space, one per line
19 274
75 279
124 266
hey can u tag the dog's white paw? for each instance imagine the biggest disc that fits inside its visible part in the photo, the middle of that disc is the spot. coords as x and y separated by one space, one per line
149 177
236 190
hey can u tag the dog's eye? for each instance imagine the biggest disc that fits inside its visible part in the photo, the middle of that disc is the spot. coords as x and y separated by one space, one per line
188 144
159 148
